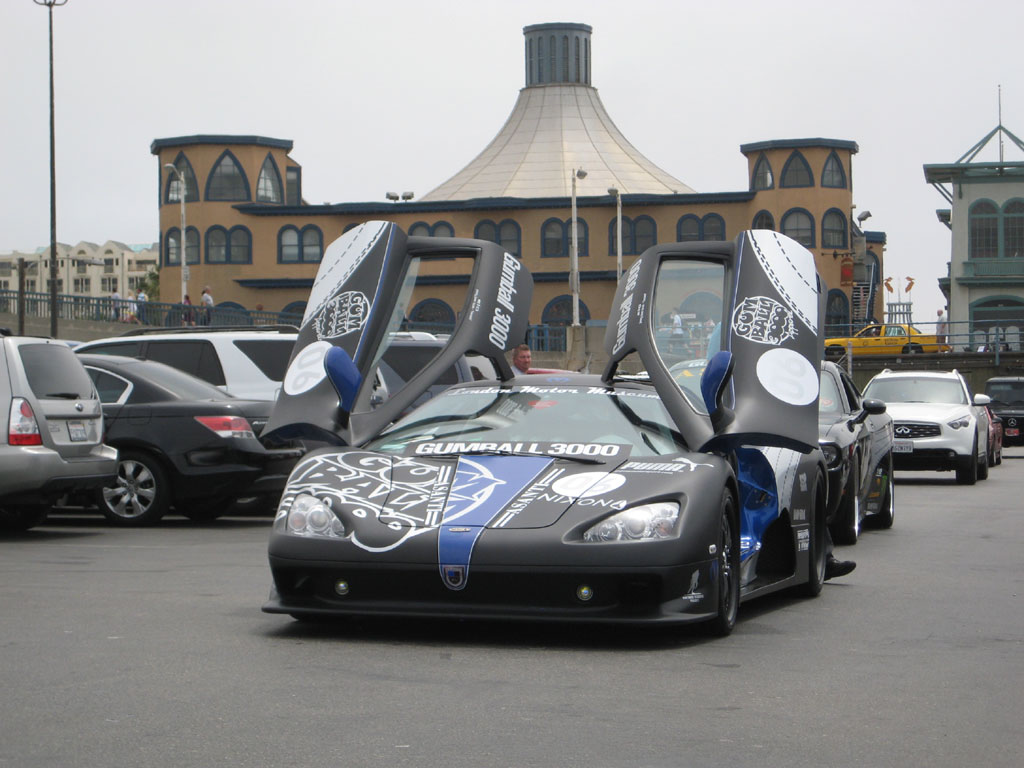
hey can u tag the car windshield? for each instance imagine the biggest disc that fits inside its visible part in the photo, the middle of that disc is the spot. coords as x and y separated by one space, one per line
1006 392
829 400
516 419
913 389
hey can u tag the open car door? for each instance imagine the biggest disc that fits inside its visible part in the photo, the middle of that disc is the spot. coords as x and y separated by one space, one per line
729 335
363 291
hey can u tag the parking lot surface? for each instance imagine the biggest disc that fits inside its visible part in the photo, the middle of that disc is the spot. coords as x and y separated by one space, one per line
147 647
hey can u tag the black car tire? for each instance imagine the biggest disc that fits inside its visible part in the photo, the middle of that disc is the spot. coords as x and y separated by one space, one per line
817 557
845 528
141 494
887 510
912 349
22 517
728 568
983 463
967 471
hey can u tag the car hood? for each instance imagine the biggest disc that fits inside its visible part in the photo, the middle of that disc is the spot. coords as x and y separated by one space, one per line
386 499
926 411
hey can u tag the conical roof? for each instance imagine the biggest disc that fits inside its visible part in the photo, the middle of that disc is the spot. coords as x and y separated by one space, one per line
557 125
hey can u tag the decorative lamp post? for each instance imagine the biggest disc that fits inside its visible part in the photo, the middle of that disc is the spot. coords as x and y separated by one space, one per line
53 182
184 236
618 232
574 260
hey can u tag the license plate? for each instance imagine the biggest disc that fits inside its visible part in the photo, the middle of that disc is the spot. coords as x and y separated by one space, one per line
903 446
76 430
1013 432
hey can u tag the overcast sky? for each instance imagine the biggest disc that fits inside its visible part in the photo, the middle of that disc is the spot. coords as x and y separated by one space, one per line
400 95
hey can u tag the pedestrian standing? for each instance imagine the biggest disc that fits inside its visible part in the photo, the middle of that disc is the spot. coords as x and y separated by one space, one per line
206 313
941 327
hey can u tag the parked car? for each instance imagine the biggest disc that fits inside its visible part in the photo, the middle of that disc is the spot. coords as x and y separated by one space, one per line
995 438
885 339
856 437
1007 395
245 362
54 437
183 443
559 497
938 425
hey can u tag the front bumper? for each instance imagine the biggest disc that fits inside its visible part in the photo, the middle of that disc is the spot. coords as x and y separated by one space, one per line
947 450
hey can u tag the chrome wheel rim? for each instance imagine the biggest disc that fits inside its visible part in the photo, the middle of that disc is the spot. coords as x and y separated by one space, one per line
134 492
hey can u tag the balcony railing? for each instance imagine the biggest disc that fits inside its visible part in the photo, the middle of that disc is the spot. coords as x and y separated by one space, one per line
1013 267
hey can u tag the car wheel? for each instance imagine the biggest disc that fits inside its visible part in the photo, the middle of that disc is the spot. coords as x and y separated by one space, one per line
912 349
967 471
140 496
728 565
817 557
887 510
983 464
22 517
846 527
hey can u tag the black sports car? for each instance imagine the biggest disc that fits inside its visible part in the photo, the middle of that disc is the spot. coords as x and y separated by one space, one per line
606 498
182 443
856 436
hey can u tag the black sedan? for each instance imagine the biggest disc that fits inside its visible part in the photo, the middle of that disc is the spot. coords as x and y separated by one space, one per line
856 436
182 442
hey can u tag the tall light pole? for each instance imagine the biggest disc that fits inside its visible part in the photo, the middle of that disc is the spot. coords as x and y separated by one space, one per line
53 182
184 236
618 232
574 257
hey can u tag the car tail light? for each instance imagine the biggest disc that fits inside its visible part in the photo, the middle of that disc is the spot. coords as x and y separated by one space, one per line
23 429
227 426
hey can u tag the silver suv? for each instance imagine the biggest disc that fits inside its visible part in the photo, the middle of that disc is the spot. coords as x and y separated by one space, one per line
247 362
53 442
938 424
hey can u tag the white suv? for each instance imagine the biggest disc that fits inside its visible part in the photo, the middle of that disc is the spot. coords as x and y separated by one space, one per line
245 362
938 424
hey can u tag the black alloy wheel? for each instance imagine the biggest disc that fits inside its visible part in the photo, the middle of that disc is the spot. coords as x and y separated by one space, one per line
846 527
141 493
728 564
817 557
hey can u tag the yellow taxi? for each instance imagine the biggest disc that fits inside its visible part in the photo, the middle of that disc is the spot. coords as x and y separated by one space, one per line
886 339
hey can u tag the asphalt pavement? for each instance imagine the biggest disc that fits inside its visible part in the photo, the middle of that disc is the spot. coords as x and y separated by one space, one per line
122 647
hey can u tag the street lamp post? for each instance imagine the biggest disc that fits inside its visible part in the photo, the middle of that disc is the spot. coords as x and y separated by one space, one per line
53 182
574 257
618 232
184 237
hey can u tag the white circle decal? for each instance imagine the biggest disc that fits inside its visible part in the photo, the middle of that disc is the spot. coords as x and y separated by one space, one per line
788 376
586 484
307 369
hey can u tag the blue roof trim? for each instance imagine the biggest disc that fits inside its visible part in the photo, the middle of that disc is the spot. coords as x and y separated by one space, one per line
490 204
875 237
759 146
214 138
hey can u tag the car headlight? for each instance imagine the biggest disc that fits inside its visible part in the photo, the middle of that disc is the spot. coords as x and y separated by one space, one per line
308 516
962 423
832 454
648 522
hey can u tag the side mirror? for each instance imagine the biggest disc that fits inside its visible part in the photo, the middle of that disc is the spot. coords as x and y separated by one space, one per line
343 375
982 399
712 387
869 407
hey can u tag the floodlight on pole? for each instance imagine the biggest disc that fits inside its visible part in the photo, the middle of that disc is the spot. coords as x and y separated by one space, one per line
182 242
618 232
574 260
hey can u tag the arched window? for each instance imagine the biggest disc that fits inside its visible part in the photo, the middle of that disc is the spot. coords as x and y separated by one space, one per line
799 225
172 248
432 311
312 244
171 189
558 311
837 313
239 246
419 229
191 245
553 239
983 231
486 230
506 234
1013 229
442 229
763 220
645 234
288 250
582 237
216 245
688 229
833 229
295 246
268 186
227 180
712 227
796 172
762 178
833 175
